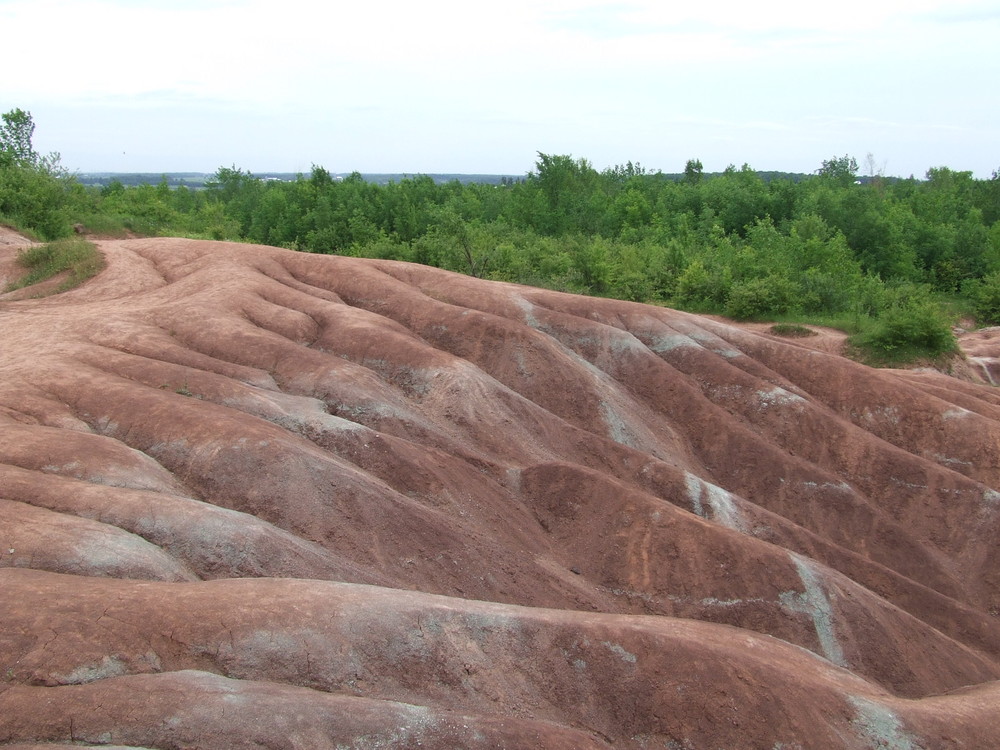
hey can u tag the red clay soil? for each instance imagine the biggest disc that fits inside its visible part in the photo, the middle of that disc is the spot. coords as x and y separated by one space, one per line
258 498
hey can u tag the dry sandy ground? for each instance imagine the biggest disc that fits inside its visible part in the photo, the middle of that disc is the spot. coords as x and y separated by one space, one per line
257 498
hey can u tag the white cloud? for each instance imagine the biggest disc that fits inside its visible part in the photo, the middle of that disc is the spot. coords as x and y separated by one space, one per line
484 85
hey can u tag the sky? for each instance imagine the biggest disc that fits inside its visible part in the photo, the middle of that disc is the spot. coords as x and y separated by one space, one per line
482 87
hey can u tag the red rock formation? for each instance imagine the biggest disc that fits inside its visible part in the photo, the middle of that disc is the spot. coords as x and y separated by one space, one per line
251 497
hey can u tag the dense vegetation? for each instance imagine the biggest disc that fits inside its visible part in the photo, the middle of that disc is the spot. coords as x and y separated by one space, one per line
890 260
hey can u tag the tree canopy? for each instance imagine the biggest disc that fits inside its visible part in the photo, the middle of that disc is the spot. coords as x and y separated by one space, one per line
831 247
16 132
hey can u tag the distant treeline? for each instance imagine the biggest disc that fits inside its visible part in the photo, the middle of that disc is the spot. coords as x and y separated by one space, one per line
134 179
197 180
892 260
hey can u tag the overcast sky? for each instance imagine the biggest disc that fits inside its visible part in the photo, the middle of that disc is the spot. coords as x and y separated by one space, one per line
480 87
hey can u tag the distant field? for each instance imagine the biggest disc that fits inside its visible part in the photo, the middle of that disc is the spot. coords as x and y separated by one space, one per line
197 180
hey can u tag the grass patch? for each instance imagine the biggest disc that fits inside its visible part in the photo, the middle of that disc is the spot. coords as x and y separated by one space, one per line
79 257
791 330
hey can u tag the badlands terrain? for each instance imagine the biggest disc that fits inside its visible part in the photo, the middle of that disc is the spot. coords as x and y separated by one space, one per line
257 498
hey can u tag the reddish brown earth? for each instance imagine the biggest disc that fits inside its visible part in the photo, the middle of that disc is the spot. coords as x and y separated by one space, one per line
258 498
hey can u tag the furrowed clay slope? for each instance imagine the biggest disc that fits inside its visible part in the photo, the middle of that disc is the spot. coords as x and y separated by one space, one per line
257 498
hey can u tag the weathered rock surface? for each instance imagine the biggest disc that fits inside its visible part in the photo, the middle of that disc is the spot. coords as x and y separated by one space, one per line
250 497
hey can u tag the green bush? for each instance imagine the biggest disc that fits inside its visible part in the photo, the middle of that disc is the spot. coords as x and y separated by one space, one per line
699 287
33 200
985 296
754 299
915 329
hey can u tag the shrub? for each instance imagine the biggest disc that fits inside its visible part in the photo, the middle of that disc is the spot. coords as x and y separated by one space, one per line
701 287
905 332
985 296
33 201
760 298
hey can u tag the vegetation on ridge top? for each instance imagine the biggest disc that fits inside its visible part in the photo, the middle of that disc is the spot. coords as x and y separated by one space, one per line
80 258
884 259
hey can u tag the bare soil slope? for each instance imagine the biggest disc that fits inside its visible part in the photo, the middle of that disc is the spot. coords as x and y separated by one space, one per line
251 497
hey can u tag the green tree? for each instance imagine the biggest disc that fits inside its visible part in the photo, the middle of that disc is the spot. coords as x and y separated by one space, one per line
590 258
701 287
985 296
693 171
759 298
568 186
987 198
841 169
15 139
737 198
34 190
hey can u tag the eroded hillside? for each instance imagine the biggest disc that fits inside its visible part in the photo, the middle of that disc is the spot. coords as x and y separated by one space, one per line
252 497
